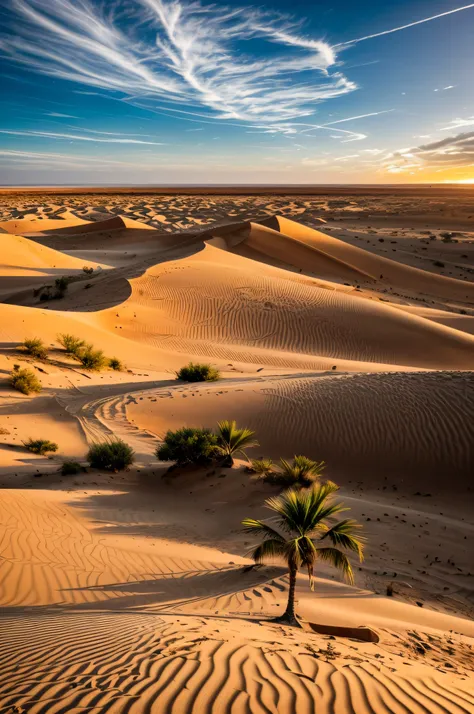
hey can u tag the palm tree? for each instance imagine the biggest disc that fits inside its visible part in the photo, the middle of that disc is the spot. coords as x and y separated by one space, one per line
302 517
302 472
232 440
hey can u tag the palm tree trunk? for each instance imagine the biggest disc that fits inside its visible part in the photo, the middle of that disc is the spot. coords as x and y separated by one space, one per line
288 616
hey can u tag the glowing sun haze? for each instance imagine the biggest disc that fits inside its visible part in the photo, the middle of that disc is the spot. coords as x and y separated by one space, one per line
186 92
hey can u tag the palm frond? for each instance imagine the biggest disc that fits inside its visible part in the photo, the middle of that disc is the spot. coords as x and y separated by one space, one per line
250 525
269 550
234 440
289 507
342 535
339 560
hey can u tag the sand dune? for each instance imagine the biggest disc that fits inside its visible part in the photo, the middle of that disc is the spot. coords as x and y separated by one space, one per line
33 223
23 256
259 241
131 591
213 296
403 276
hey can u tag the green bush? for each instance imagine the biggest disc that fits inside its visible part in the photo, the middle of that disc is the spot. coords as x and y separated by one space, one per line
198 373
35 347
88 271
71 468
71 344
90 358
115 363
112 455
24 380
40 446
188 446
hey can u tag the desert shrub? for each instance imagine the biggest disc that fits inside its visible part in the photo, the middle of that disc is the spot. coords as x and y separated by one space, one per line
90 358
438 263
40 446
198 373
188 446
87 270
111 455
301 473
71 344
262 467
24 380
35 347
71 468
45 295
115 363
61 285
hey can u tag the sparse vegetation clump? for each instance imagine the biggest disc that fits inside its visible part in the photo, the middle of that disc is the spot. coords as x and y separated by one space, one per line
71 468
71 344
262 467
198 373
90 358
116 364
87 270
302 472
303 532
61 285
24 380
41 446
85 353
111 455
35 347
188 446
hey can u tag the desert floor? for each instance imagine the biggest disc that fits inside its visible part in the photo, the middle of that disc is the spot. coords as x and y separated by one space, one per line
343 327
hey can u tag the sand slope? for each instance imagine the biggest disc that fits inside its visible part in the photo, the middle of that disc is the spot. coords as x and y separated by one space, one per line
129 593
417 425
130 630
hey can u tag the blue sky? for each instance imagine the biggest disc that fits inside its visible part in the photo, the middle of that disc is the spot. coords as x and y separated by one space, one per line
159 92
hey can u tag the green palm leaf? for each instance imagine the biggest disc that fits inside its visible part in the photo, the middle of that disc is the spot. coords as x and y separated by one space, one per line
342 535
260 528
339 560
233 440
268 550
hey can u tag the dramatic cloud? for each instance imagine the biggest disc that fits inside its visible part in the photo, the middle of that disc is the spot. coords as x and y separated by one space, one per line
175 53
449 153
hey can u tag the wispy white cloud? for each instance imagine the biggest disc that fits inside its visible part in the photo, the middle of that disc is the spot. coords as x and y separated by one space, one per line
198 56
405 27
77 137
360 116
61 116
348 157
456 123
